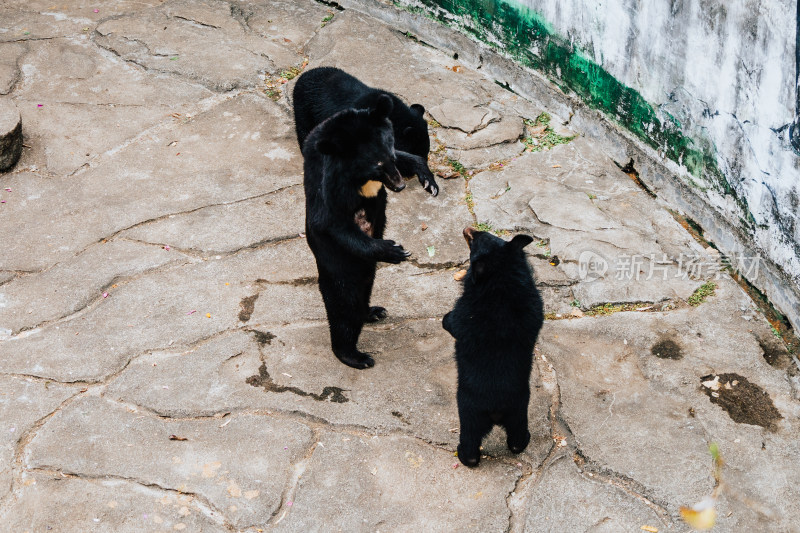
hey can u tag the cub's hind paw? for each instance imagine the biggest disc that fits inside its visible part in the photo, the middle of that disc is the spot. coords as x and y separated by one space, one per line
517 445
469 459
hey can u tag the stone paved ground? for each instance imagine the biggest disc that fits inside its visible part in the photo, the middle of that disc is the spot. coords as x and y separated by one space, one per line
165 361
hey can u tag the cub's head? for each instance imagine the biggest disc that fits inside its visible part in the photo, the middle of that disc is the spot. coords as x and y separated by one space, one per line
490 255
363 140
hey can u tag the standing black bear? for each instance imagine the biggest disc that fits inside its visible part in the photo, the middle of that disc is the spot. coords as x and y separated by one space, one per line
348 159
323 91
495 323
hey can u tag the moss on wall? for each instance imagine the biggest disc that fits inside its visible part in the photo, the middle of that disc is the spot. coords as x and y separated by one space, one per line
522 34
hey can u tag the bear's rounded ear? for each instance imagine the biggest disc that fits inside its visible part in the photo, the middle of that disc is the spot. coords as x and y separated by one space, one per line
418 109
327 147
382 108
521 241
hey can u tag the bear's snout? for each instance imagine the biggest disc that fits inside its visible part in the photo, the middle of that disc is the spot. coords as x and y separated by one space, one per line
394 180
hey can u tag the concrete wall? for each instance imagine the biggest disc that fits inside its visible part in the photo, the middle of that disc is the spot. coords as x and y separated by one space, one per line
708 88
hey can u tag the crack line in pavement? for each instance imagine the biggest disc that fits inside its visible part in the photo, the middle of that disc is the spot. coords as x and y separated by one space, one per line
205 506
22 443
92 303
297 471
566 444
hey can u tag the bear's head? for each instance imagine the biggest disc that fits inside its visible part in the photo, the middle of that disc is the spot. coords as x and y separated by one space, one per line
490 255
415 136
362 141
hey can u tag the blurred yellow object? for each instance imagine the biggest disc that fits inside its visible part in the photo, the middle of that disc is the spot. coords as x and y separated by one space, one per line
701 516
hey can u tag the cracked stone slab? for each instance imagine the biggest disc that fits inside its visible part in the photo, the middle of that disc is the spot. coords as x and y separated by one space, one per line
443 219
290 368
237 465
20 24
106 102
290 25
23 402
505 129
464 116
481 158
418 74
564 499
349 473
182 167
641 252
73 285
165 309
611 369
229 227
173 38
75 505
407 291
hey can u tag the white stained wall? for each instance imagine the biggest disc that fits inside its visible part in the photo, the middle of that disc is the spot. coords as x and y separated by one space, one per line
726 70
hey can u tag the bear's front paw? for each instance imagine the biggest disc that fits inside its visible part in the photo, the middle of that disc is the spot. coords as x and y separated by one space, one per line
391 252
428 183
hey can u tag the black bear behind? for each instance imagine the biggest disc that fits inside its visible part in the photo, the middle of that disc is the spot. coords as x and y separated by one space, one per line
495 323
320 92
348 159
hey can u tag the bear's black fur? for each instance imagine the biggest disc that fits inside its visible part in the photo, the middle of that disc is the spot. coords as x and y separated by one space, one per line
495 323
323 91
347 160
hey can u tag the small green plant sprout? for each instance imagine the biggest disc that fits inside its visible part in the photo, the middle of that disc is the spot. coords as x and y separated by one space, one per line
483 226
702 293
575 303
541 136
457 167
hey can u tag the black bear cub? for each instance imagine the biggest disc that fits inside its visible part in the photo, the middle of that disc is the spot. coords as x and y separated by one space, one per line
348 159
495 323
320 92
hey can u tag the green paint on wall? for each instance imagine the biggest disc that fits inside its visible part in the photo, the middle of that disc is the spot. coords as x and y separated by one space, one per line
529 39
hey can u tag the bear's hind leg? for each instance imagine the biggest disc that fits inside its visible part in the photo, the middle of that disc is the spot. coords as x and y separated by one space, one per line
516 424
375 313
474 425
345 318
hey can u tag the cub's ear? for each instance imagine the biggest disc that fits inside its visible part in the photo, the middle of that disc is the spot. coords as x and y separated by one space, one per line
418 109
327 147
382 108
521 241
